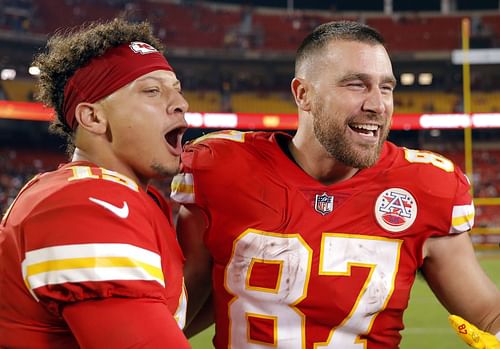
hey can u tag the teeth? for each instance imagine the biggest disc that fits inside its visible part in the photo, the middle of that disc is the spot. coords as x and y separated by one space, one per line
368 127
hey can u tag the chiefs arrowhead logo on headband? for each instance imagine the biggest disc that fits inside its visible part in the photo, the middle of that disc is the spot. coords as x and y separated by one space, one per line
105 74
142 47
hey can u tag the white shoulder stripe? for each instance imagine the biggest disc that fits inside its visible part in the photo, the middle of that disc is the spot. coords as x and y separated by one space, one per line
180 313
182 188
90 262
462 218
92 250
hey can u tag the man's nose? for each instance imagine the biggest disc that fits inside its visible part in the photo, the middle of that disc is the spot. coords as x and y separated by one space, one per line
375 102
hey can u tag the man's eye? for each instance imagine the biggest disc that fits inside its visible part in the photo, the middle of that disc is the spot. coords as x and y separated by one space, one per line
152 90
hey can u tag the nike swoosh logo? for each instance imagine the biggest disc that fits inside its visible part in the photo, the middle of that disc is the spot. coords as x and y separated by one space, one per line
121 212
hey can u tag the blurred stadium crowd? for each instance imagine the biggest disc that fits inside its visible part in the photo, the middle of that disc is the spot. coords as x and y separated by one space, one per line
237 56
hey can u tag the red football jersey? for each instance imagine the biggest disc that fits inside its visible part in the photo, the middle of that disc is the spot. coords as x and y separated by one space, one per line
299 264
83 233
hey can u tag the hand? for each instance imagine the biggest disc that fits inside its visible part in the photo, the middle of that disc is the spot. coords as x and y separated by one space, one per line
473 336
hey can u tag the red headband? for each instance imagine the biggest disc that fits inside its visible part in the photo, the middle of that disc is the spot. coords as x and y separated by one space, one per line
105 74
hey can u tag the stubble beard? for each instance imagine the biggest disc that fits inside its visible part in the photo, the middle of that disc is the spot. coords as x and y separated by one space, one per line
163 171
332 135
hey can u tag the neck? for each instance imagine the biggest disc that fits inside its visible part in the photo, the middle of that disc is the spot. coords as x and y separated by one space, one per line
108 163
317 163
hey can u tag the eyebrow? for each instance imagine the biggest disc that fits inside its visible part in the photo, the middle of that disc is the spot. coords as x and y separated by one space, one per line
176 83
365 77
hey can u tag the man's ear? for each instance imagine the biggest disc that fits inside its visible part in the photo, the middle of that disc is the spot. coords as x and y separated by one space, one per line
90 117
301 91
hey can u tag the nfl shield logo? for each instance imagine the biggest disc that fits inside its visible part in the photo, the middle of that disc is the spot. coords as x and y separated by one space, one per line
323 203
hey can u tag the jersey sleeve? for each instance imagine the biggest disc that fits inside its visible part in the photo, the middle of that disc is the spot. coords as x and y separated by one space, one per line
91 240
203 160
462 219
442 189
182 185
108 324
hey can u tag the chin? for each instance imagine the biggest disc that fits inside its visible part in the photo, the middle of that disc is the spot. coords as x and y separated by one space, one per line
166 170
371 160
359 158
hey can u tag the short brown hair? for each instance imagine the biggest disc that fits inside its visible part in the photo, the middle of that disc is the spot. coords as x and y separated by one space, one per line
337 30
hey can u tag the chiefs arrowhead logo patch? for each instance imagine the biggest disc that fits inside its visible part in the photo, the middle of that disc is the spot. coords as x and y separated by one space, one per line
395 210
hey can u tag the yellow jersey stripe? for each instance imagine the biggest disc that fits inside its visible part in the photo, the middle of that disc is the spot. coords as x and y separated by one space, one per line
182 188
467 219
88 275
462 218
90 262
179 187
100 262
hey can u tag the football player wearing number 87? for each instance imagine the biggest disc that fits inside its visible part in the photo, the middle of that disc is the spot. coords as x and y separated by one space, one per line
313 241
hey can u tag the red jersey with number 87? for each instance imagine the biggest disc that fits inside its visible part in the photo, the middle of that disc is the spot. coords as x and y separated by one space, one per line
299 264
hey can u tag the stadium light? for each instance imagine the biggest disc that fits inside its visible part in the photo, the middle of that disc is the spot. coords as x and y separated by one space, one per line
260 121
35 71
425 78
8 74
477 56
407 79
435 133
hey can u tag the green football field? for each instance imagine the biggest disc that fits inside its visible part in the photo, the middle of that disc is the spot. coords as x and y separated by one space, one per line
425 319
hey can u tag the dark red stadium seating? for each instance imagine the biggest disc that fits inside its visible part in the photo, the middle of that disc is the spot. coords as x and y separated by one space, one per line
205 26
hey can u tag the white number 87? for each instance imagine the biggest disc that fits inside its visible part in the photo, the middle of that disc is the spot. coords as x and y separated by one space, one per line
339 252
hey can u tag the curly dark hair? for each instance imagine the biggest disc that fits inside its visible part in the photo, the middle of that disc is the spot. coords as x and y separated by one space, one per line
70 49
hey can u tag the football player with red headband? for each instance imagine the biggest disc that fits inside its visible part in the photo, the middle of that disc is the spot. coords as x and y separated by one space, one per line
314 240
89 257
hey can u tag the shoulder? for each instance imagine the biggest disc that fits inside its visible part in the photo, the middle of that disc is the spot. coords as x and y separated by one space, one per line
230 139
223 146
437 183
78 186
222 160
85 198
429 168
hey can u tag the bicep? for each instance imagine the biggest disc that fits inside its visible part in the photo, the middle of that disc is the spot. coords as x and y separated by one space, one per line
458 281
191 226
123 323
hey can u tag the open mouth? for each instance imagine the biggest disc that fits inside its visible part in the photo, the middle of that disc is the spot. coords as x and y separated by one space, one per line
174 138
368 130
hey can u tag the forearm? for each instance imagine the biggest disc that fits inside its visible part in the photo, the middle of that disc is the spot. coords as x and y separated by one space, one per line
204 319
482 307
199 284
493 326
457 279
